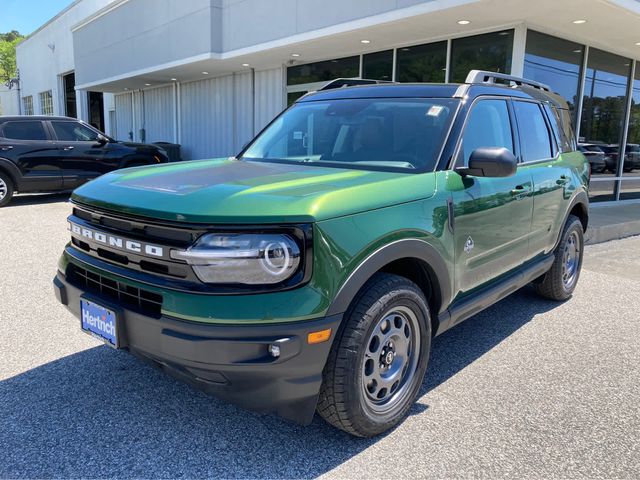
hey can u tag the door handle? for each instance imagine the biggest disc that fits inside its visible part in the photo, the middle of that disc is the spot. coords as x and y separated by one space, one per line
562 180
67 148
4 148
520 190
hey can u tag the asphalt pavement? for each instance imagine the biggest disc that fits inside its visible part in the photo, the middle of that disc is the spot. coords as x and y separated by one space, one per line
527 389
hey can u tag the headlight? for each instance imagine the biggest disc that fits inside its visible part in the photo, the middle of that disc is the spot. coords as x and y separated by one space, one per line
248 258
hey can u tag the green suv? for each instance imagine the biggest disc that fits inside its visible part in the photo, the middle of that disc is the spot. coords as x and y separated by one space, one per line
311 272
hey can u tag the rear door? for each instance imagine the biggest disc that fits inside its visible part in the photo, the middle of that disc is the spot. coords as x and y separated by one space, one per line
551 177
492 216
28 144
82 157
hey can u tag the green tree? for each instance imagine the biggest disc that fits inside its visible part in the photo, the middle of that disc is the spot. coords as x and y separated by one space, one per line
8 42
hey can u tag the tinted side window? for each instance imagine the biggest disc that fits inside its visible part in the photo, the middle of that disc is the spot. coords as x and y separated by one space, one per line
73 132
566 122
563 138
535 141
32 130
488 125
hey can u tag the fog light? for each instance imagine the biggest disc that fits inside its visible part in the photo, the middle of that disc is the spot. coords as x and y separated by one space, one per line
274 350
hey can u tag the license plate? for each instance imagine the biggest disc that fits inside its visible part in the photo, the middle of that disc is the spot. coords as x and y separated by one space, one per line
99 322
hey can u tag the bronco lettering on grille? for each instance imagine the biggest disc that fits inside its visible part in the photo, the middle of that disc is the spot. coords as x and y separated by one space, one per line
116 242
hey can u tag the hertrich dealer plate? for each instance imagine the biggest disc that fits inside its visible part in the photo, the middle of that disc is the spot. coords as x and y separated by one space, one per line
99 322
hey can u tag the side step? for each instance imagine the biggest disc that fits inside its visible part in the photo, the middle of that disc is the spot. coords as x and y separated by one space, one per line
469 306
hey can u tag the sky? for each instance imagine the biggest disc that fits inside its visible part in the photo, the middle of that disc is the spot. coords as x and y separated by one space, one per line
26 16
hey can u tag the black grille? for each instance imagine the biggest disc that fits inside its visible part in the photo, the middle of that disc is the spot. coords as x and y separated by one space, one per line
132 298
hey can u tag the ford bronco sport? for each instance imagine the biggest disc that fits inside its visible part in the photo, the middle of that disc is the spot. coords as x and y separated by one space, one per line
311 272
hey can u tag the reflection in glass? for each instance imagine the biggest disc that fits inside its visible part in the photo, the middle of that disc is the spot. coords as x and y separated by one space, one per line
601 191
603 111
348 67
604 97
490 51
378 66
422 63
293 96
555 62
630 189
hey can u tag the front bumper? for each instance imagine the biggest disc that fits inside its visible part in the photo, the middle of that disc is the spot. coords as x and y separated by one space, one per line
230 362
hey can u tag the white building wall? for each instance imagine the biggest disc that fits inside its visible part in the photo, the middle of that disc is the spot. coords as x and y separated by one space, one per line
48 53
242 110
123 117
206 112
157 111
270 97
219 116
9 101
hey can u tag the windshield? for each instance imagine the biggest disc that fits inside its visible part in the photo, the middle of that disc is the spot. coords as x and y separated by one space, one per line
379 134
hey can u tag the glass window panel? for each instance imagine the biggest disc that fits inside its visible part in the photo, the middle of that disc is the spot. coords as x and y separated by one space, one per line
378 66
490 51
555 62
27 104
630 189
348 67
601 189
631 165
604 97
603 110
46 103
20 130
534 134
73 132
422 63
488 125
293 96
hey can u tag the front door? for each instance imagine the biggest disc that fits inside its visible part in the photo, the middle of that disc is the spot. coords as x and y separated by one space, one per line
492 216
82 157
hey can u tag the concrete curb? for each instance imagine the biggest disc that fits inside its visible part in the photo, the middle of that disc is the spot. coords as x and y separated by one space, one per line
605 233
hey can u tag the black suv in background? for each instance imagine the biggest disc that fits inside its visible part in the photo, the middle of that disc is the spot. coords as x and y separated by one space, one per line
48 154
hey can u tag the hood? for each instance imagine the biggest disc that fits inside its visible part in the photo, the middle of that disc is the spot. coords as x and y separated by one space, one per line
139 146
235 191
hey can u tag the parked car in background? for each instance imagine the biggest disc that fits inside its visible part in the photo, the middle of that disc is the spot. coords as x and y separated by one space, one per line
596 157
49 154
631 157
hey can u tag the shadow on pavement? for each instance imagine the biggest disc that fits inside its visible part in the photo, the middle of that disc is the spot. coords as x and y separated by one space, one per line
101 413
37 199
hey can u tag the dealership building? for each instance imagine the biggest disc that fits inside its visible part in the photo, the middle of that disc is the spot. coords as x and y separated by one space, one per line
209 74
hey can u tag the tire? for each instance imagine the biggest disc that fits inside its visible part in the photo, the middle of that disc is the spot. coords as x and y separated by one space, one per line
561 279
385 335
6 189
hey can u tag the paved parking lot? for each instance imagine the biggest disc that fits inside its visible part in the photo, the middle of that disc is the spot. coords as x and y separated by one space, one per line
528 388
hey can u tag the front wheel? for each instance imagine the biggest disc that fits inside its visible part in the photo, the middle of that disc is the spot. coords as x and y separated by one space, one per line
561 279
377 364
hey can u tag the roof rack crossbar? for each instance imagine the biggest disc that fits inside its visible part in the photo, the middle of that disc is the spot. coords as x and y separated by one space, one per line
481 76
350 82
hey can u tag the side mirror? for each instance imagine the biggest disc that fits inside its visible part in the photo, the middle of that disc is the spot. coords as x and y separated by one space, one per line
102 140
490 162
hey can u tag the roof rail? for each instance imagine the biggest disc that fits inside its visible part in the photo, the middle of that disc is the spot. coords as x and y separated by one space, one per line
350 82
481 76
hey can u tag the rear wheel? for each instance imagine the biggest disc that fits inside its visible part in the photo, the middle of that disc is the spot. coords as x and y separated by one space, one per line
561 279
6 189
377 364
